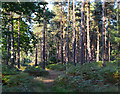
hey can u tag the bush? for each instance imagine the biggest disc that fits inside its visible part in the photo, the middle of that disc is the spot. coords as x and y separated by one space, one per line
36 71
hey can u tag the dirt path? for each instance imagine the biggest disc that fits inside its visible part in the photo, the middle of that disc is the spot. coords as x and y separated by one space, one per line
49 80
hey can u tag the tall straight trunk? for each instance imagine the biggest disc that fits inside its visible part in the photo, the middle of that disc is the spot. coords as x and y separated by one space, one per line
40 51
77 49
74 33
97 55
81 33
36 56
57 40
64 52
12 43
46 43
103 34
61 37
44 39
88 31
18 43
8 44
68 18
108 40
105 30
93 47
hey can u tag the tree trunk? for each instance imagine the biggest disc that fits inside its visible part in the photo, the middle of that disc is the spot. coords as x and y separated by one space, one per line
88 31
12 43
105 30
74 33
18 43
97 56
36 56
61 37
46 55
8 44
44 39
64 52
57 40
67 59
82 33
108 40
103 35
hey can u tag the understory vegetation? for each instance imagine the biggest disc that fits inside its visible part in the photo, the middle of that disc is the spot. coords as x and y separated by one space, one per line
18 80
90 78
71 46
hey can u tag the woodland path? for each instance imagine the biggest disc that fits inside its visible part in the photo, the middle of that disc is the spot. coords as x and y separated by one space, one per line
49 80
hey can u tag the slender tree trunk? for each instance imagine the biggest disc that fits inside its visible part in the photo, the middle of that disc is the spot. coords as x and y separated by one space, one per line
40 51
12 43
105 30
82 33
18 43
108 40
74 33
103 34
46 55
64 52
76 59
8 44
57 40
61 37
68 18
36 56
44 39
97 56
88 35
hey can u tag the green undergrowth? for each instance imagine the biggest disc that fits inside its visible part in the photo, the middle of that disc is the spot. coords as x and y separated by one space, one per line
57 67
91 77
21 82
36 71
14 80
8 70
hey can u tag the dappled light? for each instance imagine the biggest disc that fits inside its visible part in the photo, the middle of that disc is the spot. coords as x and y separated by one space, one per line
60 47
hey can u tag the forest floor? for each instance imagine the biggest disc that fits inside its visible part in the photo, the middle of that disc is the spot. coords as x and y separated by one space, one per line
48 81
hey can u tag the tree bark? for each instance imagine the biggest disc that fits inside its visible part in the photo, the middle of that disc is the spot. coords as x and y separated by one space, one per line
8 44
103 35
68 18
64 38
88 31
97 56
36 56
74 34
57 40
108 40
12 43
18 43
44 39
82 34
105 30
61 37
